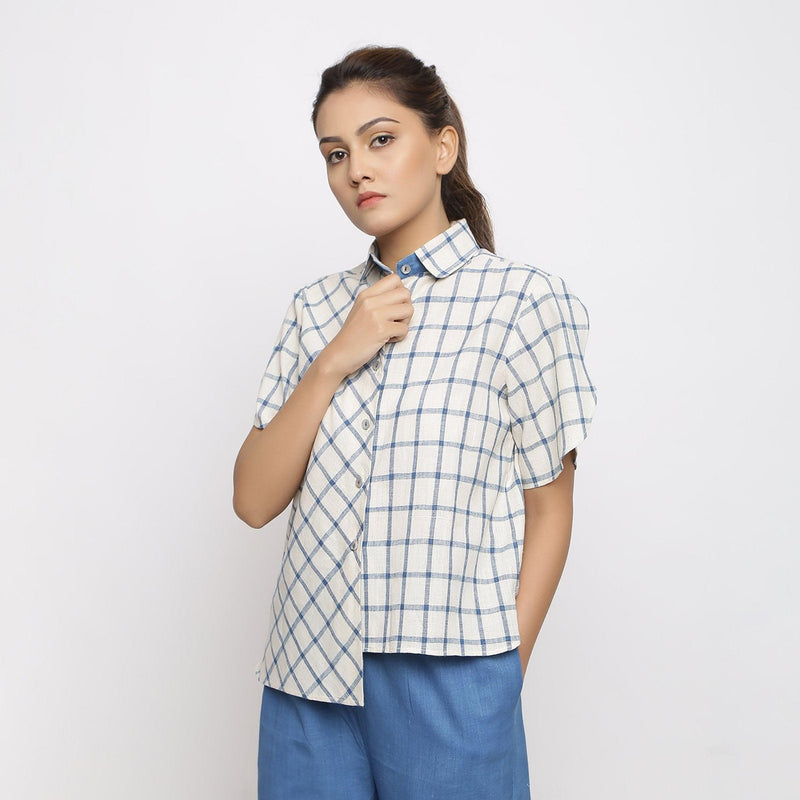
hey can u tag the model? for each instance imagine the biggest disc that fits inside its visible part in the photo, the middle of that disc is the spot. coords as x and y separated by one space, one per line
420 413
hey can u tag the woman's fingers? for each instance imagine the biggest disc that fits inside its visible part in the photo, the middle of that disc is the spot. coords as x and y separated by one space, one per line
380 314
400 311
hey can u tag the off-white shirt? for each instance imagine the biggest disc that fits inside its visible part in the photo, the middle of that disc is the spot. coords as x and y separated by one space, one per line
406 533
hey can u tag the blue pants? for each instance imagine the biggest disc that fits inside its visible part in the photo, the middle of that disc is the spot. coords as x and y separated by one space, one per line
444 727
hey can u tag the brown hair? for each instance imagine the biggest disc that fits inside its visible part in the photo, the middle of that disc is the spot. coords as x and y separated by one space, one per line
418 87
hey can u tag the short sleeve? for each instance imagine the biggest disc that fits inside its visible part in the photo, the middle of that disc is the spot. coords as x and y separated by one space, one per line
283 367
550 396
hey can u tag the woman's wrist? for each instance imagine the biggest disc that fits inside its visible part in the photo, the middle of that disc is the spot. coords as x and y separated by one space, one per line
328 367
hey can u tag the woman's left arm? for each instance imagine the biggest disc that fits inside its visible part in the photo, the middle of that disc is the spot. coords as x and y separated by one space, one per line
548 527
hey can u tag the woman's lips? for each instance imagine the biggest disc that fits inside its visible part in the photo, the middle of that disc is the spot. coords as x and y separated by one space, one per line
371 201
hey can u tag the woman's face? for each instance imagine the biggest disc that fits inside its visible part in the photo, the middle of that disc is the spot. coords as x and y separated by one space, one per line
372 143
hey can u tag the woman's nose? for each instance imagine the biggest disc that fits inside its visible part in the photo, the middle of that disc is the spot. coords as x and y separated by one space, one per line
359 168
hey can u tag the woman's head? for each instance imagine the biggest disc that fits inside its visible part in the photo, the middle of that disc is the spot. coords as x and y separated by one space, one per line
391 82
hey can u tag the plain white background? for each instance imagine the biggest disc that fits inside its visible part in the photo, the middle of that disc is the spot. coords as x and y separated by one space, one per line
162 197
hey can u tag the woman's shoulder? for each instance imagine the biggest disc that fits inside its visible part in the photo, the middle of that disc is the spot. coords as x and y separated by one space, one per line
519 277
331 285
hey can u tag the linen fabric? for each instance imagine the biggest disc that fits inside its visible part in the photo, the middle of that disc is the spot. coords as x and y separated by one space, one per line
406 533
449 728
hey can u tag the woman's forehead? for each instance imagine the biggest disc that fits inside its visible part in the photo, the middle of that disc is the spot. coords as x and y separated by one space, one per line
345 111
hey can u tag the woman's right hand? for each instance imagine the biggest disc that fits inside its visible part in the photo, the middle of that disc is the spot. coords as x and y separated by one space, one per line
273 460
380 314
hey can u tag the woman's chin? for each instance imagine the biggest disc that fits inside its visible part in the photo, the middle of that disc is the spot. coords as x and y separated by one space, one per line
375 227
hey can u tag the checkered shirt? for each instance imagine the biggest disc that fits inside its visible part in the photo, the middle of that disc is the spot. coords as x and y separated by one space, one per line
406 533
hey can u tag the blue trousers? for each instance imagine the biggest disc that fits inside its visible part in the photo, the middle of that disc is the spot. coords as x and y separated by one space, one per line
443 727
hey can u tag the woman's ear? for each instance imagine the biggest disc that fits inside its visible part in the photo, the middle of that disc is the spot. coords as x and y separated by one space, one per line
447 149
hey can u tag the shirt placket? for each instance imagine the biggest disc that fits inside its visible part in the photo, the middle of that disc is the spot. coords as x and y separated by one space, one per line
364 424
364 393
409 269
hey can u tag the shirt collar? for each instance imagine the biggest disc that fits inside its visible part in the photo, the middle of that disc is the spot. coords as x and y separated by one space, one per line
441 256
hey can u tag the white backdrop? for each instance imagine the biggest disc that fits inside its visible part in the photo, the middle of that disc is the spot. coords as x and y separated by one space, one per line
162 196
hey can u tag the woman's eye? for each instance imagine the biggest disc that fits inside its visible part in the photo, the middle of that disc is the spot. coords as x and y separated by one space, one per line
381 140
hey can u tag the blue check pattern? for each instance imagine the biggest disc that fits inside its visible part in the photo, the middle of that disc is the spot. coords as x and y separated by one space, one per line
406 533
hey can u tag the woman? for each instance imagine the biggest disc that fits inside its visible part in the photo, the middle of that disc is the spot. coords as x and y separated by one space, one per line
421 413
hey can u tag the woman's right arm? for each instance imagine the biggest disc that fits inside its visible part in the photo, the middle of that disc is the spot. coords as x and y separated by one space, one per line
273 460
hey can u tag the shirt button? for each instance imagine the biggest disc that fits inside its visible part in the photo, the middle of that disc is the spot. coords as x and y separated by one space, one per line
405 269
353 546
375 365
358 482
365 423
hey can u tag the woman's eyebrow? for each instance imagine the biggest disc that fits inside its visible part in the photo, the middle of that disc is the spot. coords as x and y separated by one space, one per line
359 131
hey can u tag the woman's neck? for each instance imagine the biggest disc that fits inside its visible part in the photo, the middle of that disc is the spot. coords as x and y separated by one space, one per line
404 240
